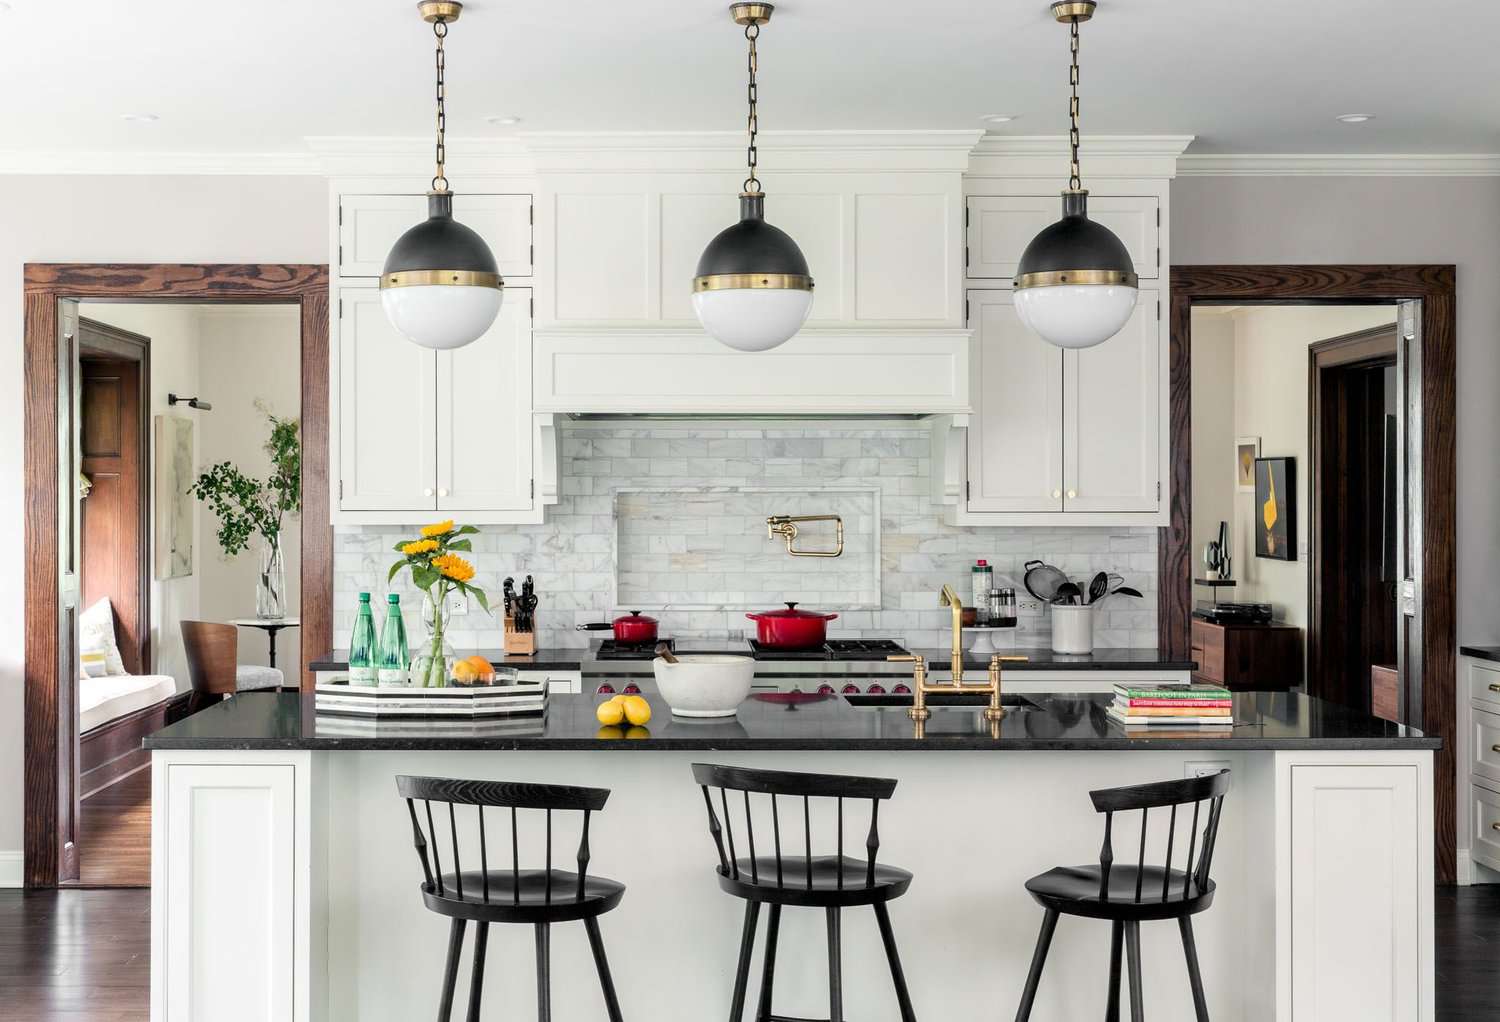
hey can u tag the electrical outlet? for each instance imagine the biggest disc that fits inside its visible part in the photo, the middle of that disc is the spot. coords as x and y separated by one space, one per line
458 604
1203 767
1030 606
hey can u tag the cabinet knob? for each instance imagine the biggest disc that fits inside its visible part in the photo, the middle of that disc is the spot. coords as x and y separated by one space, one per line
1495 826
1057 494
442 492
1495 688
1072 494
1495 748
427 492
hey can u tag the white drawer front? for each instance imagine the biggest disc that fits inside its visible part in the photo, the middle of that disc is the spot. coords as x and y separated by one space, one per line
1485 745
1484 684
1485 807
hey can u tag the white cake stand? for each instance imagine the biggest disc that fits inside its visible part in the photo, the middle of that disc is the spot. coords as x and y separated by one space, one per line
984 638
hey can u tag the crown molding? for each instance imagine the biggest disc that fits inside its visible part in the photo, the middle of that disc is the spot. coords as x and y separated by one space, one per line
1044 157
157 164
791 151
1339 165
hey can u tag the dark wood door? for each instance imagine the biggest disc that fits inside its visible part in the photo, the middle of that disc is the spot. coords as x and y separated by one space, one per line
113 512
69 534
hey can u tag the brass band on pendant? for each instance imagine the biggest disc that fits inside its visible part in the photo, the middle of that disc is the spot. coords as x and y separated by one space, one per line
1055 278
753 281
447 278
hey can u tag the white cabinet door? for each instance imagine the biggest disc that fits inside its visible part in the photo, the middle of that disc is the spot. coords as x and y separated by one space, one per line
1015 442
484 415
370 224
1001 226
385 414
1111 417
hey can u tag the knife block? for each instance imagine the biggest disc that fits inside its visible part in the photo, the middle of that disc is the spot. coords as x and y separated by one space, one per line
518 643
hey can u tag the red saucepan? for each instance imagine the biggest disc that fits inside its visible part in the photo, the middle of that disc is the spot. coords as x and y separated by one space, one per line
633 627
791 628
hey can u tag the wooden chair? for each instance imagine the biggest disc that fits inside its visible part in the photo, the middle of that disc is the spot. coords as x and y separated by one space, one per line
1129 895
212 655
803 879
540 897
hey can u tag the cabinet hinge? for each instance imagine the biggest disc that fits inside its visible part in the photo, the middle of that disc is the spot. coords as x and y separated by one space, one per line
1158 216
1158 489
341 489
531 215
966 216
531 306
966 312
966 257
533 489
968 490
341 308
1158 255
1158 308
341 215
531 255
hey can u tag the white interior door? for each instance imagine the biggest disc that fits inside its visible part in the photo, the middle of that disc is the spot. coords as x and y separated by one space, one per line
1015 441
386 416
1111 417
484 433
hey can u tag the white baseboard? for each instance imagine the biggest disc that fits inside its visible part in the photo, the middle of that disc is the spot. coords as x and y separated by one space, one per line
12 871
1465 870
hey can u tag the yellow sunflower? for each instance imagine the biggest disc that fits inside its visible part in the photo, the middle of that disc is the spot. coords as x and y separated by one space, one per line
419 546
454 567
440 529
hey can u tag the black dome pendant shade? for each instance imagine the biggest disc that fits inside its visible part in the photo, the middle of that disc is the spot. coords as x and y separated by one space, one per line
440 250
1075 250
752 254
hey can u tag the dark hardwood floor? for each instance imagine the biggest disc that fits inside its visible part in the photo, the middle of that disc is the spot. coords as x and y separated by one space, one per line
114 834
84 956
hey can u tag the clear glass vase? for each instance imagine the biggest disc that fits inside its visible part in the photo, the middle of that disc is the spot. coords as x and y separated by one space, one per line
432 667
270 582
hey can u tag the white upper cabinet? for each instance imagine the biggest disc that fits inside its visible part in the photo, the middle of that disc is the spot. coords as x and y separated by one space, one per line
484 415
370 224
384 415
1001 226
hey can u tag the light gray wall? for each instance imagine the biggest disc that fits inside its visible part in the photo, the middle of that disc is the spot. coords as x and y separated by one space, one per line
116 219
1386 220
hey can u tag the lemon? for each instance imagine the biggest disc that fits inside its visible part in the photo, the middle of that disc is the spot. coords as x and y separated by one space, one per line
609 733
637 710
611 712
464 672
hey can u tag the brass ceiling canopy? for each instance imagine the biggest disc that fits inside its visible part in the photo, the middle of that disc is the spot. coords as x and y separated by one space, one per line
1073 10
433 11
751 13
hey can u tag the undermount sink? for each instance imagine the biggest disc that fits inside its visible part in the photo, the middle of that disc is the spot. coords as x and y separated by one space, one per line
937 700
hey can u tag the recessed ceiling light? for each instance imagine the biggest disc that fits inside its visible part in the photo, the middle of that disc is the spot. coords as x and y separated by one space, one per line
1355 118
506 119
999 118
139 118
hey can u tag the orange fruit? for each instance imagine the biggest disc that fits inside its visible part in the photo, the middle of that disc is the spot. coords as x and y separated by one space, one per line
464 672
482 667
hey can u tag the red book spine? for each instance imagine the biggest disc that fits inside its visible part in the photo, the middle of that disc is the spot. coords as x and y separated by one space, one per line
1180 702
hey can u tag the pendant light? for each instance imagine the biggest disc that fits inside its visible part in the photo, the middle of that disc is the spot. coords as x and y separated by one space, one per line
752 290
1075 284
440 286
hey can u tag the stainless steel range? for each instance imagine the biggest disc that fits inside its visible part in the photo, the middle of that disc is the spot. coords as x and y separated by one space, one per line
848 666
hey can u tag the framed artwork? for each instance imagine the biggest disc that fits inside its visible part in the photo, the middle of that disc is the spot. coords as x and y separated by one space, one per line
1275 511
1246 450
174 507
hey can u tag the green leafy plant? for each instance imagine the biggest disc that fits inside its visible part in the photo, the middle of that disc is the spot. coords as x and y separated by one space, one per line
437 569
247 507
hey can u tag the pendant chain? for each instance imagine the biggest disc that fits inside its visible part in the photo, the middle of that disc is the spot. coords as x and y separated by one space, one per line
1075 182
752 183
440 151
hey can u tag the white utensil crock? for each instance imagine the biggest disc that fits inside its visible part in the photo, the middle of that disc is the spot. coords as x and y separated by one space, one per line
1072 629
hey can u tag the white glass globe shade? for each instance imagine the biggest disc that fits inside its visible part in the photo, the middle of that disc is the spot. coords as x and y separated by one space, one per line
1075 315
441 315
752 319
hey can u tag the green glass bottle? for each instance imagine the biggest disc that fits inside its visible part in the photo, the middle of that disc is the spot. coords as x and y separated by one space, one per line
391 667
362 647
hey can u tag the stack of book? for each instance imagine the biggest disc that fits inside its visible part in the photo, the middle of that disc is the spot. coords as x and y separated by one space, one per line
1177 706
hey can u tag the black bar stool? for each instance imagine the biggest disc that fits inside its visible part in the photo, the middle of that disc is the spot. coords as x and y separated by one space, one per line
830 882
540 897
1128 895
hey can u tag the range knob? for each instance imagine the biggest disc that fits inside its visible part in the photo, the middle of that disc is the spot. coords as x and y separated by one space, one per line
605 689
825 689
851 689
876 689
902 689
632 689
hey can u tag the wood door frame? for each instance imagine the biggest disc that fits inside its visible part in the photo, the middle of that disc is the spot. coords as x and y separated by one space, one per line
120 343
1432 285
1361 347
45 284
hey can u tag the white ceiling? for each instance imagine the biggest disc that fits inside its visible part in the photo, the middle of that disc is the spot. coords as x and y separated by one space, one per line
1244 76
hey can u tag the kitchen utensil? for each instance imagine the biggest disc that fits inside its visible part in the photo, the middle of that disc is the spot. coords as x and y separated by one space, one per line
1098 587
1067 594
1129 591
704 684
632 628
1072 628
510 594
1041 580
791 628
664 650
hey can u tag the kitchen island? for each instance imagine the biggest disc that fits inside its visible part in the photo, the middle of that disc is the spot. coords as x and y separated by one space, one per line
285 885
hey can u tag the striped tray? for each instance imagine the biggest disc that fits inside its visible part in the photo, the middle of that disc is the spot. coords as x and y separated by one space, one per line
338 698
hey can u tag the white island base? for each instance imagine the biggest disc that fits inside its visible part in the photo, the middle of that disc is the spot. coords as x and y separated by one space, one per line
285 889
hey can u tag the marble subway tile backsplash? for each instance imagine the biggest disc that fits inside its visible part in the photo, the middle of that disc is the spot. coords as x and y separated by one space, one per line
573 555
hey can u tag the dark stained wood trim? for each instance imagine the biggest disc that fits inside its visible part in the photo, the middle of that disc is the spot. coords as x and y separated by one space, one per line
1434 286
46 283
113 749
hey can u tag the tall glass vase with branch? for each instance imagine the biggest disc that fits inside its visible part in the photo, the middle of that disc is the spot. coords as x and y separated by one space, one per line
438 570
247 507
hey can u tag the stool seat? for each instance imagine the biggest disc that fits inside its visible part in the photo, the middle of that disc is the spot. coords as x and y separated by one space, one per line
1074 891
825 890
525 898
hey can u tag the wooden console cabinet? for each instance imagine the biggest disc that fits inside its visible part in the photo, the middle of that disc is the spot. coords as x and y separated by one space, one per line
1247 657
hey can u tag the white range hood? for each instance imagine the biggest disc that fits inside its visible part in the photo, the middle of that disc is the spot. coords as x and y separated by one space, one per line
818 372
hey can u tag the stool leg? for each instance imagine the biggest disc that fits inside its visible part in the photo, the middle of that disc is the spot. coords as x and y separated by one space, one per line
1038 959
606 983
476 980
1190 948
1116 942
768 971
742 971
835 969
888 938
450 971
1133 962
544 972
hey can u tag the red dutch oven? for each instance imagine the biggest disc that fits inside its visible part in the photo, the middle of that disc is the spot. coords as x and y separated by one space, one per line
634 627
791 628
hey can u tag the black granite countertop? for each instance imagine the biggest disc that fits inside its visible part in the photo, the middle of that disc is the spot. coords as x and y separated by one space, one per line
544 660
1125 659
1481 652
1265 721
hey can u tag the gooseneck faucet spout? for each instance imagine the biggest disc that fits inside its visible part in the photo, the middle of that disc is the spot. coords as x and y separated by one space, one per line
949 598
